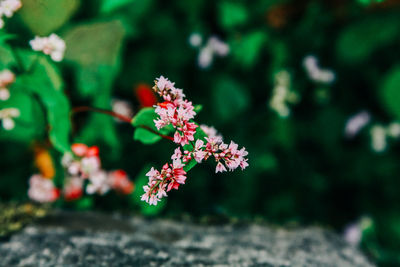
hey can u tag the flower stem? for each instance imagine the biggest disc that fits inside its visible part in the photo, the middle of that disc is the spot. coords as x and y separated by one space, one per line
103 111
118 116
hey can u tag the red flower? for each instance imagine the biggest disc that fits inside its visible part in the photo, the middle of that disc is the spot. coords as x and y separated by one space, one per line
82 150
145 95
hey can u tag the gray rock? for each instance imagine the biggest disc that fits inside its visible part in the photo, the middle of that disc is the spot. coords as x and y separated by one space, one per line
92 239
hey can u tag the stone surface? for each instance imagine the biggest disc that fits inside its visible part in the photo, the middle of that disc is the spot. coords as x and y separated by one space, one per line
92 239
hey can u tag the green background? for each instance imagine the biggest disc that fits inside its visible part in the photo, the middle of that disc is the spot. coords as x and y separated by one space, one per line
303 170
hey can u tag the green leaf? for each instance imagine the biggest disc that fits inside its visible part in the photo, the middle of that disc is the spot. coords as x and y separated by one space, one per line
145 136
85 203
200 134
96 43
108 6
4 36
27 59
246 50
232 14
190 165
146 117
358 41
7 58
108 135
30 124
230 98
96 56
44 80
45 16
94 50
390 92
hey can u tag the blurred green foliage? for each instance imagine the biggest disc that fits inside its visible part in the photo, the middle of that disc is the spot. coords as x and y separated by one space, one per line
302 168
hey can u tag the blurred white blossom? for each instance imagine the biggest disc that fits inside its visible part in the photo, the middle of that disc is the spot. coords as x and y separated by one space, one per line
213 47
98 183
356 123
315 73
8 8
122 107
219 47
353 232
42 189
7 116
393 130
6 78
211 132
378 135
84 164
52 45
282 94
195 39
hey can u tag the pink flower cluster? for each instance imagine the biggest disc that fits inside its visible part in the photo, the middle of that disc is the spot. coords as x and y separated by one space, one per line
42 189
179 112
175 110
83 167
170 177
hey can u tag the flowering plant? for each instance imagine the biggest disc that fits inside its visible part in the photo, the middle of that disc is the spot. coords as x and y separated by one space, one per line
195 143
35 70
175 114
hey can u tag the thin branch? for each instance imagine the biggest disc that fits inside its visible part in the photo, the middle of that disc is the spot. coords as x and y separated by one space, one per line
118 116
103 111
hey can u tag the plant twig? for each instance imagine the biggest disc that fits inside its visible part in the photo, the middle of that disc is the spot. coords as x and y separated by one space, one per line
103 111
118 116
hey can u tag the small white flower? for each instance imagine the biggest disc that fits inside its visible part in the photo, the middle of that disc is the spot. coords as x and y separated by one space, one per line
220 168
67 159
8 124
213 47
6 78
195 39
4 94
7 9
353 234
378 135
315 73
393 130
205 57
210 131
7 115
42 189
282 95
38 43
356 123
52 45
98 183
90 164
219 47
122 107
